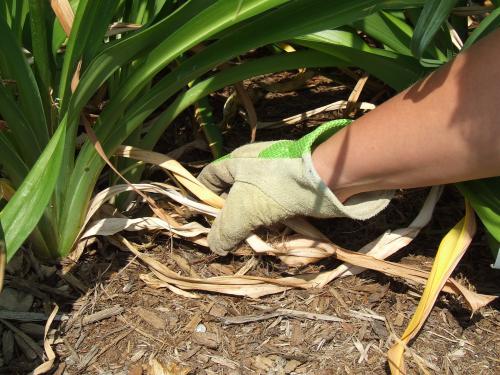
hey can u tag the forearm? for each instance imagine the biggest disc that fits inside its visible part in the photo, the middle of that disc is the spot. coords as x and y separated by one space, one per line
443 129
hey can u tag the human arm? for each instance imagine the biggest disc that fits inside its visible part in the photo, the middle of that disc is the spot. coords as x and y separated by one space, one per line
441 130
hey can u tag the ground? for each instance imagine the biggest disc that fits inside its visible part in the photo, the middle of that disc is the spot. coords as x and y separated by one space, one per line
143 324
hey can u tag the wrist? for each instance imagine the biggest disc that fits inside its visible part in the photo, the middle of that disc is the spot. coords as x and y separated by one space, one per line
331 168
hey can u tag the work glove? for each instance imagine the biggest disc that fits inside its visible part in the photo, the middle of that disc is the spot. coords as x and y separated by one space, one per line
274 181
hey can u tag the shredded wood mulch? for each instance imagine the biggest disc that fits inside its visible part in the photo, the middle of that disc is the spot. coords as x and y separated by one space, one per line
110 322
121 326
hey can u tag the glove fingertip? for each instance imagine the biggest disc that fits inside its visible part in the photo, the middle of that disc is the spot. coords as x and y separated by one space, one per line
216 245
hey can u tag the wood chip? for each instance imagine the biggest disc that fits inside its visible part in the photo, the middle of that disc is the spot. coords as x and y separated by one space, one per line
193 323
297 334
224 362
220 269
101 315
399 320
74 281
138 355
135 370
207 339
158 368
151 318
263 363
184 265
291 366
217 310
15 300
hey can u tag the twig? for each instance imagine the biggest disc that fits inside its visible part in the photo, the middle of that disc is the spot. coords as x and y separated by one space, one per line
101 315
252 262
73 281
93 355
279 312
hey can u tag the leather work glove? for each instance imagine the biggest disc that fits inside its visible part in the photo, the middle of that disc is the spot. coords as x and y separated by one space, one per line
273 181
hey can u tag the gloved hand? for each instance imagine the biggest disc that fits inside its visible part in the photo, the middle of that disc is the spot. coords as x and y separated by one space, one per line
273 181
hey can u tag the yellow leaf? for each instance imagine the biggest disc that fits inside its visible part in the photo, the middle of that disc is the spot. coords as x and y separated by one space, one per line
449 253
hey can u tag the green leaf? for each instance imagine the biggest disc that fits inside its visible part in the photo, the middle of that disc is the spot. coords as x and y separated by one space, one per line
39 41
42 57
19 9
483 195
22 133
389 30
87 33
489 24
21 214
248 69
11 163
206 121
15 66
435 12
398 71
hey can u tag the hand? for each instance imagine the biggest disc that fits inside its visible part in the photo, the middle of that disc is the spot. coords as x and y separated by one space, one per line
273 181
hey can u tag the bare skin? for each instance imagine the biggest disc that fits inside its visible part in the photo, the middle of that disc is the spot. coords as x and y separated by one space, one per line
443 129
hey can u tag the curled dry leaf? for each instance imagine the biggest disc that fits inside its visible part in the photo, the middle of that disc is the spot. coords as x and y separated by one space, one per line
293 251
47 345
300 250
110 226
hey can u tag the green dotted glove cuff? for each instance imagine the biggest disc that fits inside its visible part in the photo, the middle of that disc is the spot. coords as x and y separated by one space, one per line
297 149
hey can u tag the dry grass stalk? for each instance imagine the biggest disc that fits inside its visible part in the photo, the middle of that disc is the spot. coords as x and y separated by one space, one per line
351 108
293 251
295 119
249 108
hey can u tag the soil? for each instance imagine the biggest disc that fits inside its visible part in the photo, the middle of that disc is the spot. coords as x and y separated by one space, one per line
195 334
